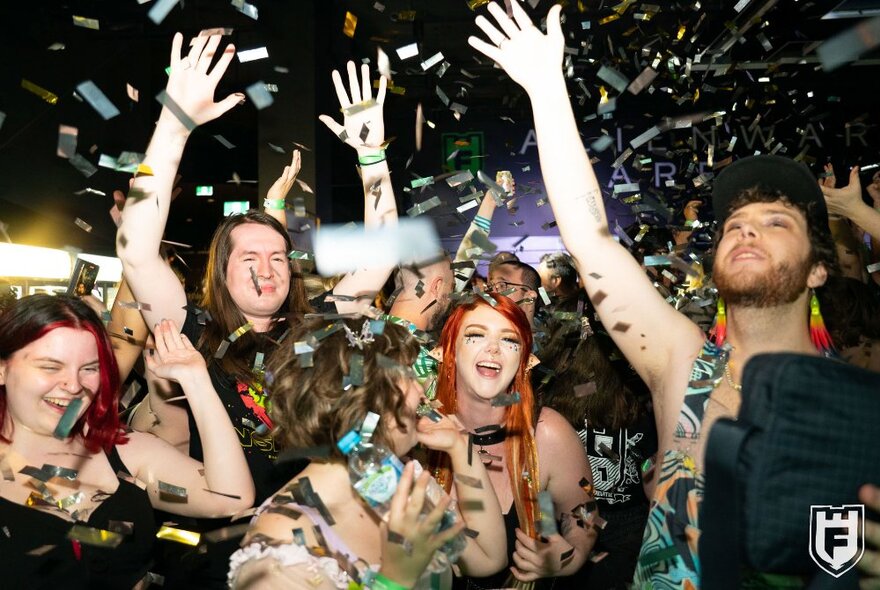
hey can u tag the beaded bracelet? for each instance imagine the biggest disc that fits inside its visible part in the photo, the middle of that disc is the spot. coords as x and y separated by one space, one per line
372 158
274 204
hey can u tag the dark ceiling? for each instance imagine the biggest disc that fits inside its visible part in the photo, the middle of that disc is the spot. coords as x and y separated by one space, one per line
766 38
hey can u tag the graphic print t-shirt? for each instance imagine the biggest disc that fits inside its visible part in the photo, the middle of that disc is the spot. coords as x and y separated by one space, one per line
616 457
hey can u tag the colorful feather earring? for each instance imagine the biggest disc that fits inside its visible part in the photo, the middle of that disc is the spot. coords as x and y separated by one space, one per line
818 332
718 332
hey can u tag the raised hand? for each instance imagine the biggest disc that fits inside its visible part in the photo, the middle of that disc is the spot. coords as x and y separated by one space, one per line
445 435
363 126
284 183
828 179
191 86
530 58
409 540
842 201
174 357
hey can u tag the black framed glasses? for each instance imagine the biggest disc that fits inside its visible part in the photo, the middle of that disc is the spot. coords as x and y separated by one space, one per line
500 286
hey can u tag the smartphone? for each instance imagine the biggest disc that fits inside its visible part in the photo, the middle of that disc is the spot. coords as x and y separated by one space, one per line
83 279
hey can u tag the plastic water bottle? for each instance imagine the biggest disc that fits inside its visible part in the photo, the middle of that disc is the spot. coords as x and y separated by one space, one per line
375 473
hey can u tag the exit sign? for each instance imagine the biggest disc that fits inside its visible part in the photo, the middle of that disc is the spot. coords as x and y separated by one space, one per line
204 191
464 151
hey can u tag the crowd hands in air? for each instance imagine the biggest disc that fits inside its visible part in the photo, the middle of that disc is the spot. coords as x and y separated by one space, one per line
515 446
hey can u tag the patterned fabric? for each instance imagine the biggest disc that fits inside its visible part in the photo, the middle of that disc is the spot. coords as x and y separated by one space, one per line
669 557
425 366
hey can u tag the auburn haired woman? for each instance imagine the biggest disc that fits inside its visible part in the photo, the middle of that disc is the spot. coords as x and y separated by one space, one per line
484 382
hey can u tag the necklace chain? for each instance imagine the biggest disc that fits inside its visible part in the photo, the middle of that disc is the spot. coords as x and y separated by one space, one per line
736 386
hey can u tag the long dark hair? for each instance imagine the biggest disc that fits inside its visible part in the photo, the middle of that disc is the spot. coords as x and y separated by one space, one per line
31 318
226 317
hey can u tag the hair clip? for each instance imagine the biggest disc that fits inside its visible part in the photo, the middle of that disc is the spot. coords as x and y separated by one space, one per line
365 337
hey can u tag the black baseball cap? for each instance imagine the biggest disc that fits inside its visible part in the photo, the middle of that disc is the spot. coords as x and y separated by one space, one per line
772 174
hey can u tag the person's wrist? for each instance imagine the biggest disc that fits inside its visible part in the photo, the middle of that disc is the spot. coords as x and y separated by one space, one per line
169 123
274 204
371 156
383 582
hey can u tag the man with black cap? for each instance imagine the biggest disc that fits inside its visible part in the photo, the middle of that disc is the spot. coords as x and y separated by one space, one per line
773 248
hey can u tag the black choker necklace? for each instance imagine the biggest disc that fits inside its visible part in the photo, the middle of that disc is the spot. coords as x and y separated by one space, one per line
491 435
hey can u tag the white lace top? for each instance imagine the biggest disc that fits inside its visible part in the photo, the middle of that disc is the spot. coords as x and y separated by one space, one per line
292 554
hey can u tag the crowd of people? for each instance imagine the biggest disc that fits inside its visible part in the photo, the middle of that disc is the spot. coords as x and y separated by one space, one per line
552 420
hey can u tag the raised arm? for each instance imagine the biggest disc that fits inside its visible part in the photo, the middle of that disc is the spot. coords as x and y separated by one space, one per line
847 201
487 553
481 223
275 202
226 486
646 329
188 102
363 128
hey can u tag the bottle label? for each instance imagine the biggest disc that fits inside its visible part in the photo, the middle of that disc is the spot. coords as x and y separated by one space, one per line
378 487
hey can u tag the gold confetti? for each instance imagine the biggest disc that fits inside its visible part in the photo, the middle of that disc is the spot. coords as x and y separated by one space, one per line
92 536
86 23
609 19
351 22
39 91
681 31
474 4
178 535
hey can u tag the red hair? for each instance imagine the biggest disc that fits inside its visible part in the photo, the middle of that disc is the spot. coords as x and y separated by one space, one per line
31 318
522 456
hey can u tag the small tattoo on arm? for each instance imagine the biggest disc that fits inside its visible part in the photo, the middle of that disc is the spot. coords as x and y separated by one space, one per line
592 205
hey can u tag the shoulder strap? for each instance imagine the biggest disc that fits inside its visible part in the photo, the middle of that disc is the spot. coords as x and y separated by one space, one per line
116 461
719 515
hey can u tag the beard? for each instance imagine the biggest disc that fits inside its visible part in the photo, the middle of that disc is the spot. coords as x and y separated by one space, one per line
781 285
440 313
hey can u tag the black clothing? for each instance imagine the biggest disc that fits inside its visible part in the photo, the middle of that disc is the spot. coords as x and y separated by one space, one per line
70 564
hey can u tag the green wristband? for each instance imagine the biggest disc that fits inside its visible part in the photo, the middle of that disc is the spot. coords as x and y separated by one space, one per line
372 158
275 204
380 582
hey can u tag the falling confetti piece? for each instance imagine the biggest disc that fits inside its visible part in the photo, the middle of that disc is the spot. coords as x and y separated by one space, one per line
39 91
350 25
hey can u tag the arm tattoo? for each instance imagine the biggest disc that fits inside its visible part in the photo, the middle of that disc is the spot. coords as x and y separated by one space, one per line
591 198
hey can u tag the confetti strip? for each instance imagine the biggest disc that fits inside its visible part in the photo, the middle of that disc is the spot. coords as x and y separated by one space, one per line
168 533
172 493
97 99
408 51
95 537
86 23
68 419
350 25
246 55
160 10
178 112
261 97
39 91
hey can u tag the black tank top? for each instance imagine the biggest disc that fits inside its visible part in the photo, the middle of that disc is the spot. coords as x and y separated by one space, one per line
59 562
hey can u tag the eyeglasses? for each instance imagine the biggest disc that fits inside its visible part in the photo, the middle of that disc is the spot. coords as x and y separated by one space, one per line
501 286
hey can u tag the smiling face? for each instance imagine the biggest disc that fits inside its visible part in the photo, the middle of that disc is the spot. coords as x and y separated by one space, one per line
763 258
260 249
42 379
488 351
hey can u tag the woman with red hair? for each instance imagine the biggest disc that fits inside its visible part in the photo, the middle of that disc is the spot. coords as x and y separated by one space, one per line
484 382
76 493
